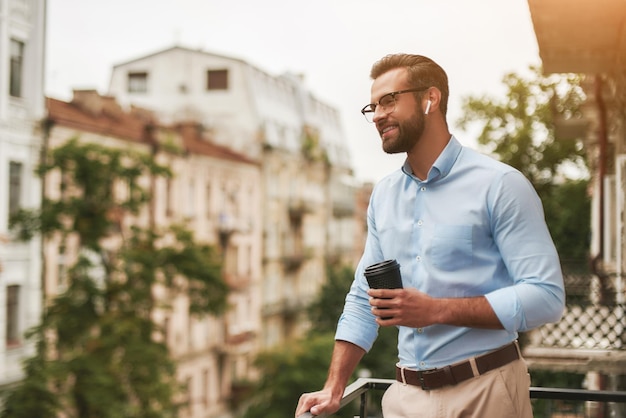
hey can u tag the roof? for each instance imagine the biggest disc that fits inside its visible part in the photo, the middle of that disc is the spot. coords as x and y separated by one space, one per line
119 125
90 112
180 48
580 36
195 143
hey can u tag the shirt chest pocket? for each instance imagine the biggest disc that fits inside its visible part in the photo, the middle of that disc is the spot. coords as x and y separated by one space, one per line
451 247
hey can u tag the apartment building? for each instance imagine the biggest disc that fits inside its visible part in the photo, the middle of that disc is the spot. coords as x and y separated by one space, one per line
309 194
22 26
215 192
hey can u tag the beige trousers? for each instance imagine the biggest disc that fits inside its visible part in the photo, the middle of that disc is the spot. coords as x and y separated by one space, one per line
499 393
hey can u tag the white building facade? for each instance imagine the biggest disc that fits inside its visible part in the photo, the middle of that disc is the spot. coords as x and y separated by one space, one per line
309 194
22 109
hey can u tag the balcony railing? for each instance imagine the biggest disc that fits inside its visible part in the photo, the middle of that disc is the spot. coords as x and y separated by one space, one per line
361 387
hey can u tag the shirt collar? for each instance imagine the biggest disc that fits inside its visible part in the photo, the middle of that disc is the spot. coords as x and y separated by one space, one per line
443 164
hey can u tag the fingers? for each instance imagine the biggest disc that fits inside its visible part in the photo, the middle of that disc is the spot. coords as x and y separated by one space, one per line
384 293
308 404
302 406
311 404
378 293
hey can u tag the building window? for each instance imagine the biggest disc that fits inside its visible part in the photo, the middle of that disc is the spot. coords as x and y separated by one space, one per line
62 268
16 68
15 186
191 199
205 388
138 82
166 330
169 207
12 331
217 80
207 199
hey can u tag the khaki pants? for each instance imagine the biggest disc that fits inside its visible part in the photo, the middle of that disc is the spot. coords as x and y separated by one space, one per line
499 393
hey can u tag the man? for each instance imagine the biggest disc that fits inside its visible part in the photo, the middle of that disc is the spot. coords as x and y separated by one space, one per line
477 262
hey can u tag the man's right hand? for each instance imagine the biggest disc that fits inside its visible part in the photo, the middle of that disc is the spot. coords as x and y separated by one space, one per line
317 403
328 400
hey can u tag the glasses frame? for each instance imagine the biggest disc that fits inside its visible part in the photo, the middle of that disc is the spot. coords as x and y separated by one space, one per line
370 109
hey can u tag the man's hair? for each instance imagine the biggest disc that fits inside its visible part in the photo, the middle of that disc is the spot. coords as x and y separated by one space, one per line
422 73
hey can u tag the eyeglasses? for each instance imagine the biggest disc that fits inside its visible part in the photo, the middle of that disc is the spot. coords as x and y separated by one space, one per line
387 103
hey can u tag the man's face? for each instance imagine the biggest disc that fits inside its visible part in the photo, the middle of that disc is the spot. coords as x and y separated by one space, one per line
401 128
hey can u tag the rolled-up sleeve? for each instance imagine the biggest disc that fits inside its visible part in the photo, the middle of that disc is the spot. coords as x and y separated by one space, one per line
357 324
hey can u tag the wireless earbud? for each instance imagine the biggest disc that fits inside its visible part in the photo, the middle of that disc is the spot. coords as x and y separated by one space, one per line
427 107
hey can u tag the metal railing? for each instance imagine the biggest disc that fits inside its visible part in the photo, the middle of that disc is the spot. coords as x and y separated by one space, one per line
361 387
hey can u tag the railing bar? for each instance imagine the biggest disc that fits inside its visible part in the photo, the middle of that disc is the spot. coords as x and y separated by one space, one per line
362 385
577 394
363 405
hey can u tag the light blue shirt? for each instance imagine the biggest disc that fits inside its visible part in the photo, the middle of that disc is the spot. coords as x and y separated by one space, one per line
474 227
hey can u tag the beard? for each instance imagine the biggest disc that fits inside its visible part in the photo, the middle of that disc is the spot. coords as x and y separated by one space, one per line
409 133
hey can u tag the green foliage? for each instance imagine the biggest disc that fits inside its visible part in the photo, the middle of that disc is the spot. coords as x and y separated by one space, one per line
33 398
568 213
520 129
97 355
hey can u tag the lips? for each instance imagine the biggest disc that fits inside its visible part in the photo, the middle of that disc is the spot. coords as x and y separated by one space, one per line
387 129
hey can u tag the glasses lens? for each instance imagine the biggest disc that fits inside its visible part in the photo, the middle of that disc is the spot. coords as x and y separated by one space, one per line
368 112
387 103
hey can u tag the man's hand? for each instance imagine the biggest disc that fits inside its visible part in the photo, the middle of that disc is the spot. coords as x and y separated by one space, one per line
407 307
343 362
317 403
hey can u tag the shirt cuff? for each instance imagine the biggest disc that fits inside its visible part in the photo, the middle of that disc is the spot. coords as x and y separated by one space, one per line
506 305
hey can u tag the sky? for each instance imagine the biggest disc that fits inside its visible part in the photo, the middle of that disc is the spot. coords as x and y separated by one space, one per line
333 43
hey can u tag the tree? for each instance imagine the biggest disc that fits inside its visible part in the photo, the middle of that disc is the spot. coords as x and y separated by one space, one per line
99 352
521 131
568 213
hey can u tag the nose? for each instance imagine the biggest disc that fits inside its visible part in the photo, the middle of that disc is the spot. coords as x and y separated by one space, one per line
379 114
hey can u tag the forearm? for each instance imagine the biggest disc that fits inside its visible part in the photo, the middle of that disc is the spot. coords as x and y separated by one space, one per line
415 309
345 358
473 312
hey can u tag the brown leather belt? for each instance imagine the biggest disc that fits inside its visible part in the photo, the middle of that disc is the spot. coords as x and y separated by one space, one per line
456 373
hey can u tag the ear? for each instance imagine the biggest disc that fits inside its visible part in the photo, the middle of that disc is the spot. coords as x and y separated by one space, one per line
432 98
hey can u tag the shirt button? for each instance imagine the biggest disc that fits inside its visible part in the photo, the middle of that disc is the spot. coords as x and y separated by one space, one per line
420 222
420 330
423 188
418 258
422 363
